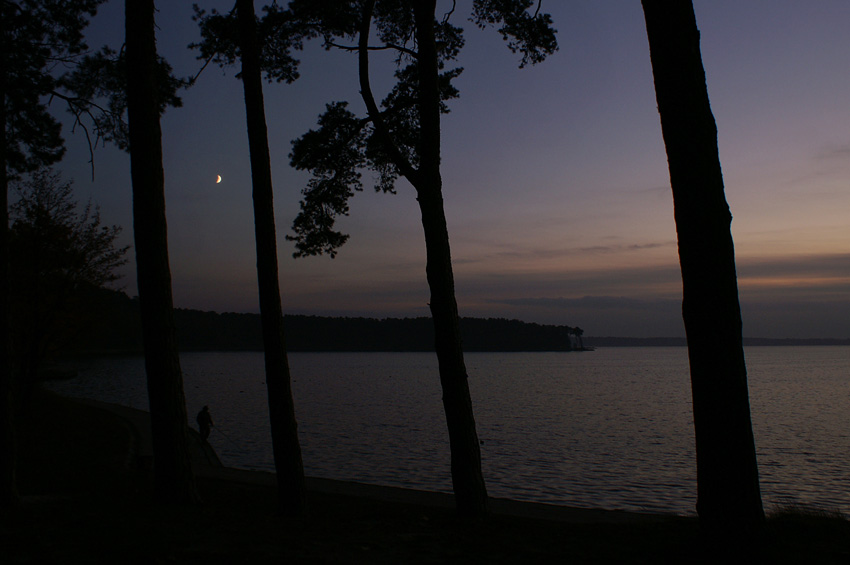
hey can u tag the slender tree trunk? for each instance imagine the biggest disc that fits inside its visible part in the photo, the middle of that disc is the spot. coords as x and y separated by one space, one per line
467 478
173 477
8 447
728 499
284 428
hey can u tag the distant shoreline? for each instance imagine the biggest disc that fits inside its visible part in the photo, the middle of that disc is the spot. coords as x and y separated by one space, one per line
117 330
590 342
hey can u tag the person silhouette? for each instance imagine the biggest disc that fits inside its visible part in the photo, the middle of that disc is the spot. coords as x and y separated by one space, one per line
204 422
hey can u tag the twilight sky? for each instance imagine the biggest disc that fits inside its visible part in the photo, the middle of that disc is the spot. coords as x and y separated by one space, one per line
555 176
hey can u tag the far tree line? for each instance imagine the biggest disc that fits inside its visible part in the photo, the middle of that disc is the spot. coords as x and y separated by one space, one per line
91 320
119 94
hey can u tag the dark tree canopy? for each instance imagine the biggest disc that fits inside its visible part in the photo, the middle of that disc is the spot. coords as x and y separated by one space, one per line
389 140
53 238
40 38
529 34
47 61
58 252
102 77
278 35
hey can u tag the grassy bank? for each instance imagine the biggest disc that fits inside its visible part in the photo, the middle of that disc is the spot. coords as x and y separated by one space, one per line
86 503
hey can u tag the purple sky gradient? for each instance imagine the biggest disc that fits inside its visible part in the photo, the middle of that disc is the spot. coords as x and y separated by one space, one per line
555 176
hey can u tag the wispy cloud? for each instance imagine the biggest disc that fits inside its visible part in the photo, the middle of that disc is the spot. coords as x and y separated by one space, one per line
817 277
662 191
531 253
833 151
801 296
827 164
780 297
591 302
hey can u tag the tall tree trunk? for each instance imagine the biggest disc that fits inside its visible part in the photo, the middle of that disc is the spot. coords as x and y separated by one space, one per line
728 498
467 478
173 477
284 428
8 447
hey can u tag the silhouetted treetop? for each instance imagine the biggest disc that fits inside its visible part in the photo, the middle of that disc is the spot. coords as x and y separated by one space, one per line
38 37
96 95
59 251
334 154
47 60
53 237
529 34
389 139
279 33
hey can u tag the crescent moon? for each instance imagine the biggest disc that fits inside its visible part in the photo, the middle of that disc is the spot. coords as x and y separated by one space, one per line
217 179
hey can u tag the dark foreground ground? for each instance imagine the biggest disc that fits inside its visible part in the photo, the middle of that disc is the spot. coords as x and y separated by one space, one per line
87 501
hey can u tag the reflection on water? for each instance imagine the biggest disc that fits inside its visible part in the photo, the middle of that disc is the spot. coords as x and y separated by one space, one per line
608 429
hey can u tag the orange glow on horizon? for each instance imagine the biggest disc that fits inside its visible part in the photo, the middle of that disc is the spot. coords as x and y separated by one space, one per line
791 282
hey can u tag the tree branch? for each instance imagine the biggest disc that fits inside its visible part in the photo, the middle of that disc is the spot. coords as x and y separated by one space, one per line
76 101
388 46
80 107
198 74
209 60
448 14
404 166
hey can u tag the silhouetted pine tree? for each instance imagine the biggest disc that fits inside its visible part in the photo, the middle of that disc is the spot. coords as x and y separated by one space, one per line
729 498
173 477
284 429
237 38
403 139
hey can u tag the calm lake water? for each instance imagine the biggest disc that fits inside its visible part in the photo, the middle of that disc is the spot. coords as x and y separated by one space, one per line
606 429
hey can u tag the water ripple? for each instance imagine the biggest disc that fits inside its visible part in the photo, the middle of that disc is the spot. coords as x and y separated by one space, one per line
612 429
